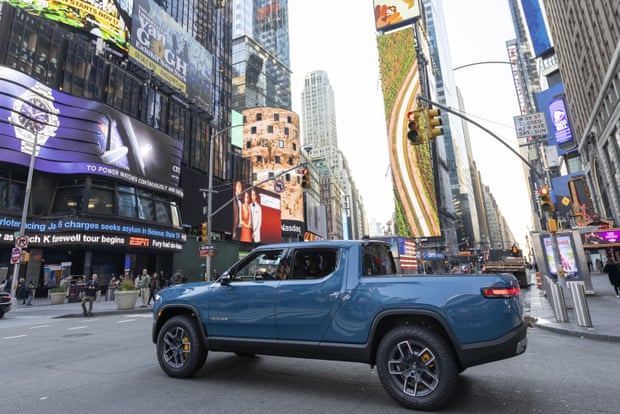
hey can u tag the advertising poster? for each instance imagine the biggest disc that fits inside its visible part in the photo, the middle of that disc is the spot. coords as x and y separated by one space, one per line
78 136
411 165
395 13
160 44
568 257
100 18
256 215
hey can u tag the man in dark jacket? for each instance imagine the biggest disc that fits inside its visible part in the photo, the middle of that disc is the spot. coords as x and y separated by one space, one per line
90 294
613 271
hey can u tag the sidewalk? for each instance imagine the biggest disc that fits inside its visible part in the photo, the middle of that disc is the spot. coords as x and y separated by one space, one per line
603 306
42 307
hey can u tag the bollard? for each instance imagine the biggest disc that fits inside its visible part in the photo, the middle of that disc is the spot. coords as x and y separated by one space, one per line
578 292
557 301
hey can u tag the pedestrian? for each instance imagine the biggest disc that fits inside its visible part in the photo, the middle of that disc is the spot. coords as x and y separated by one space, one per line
613 271
154 287
90 293
29 293
20 291
145 283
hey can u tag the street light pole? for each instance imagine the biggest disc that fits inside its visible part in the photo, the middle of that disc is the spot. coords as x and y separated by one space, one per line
210 197
22 224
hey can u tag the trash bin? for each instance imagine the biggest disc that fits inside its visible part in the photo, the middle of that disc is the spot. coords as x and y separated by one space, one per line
578 292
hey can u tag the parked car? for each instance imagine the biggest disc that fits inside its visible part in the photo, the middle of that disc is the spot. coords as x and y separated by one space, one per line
5 303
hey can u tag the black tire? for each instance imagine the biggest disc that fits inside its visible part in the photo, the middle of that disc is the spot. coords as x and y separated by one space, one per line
180 351
1 313
416 367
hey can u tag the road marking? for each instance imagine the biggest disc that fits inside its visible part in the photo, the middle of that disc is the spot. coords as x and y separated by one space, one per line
14 337
40 326
77 327
126 320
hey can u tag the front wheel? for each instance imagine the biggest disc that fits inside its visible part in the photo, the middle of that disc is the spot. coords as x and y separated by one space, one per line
180 351
416 367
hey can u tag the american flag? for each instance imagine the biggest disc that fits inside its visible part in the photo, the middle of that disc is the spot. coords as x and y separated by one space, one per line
408 259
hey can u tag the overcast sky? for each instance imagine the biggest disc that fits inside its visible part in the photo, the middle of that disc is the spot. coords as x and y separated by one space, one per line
339 38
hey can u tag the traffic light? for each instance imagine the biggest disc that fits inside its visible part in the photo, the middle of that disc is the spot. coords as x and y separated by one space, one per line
305 179
203 233
416 131
433 122
546 205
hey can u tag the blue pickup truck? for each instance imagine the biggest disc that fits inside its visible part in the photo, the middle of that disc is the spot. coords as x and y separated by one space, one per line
344 300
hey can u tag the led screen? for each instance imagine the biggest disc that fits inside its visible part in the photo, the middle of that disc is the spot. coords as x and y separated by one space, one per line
567 257
559 118
78 136
395 13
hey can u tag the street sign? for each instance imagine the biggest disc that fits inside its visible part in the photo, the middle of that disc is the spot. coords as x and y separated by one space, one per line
21 242
207 250
16 255
207 247
531 125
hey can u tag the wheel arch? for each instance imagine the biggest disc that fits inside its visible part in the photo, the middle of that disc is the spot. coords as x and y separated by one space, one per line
169 311
389 320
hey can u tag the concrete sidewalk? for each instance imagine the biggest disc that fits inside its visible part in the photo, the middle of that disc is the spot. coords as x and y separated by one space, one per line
603 307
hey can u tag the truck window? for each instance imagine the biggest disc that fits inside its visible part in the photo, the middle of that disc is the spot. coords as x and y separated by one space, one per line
313 263
260 266
378 261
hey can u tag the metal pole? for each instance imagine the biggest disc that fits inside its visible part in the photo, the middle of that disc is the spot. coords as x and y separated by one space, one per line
209 204
22 224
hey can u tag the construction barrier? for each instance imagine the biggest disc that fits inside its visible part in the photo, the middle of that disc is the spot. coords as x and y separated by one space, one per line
538 280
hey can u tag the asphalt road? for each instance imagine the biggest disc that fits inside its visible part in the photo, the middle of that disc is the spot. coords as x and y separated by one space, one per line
107 364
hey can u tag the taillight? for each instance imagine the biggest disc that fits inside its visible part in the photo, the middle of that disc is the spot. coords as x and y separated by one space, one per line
497 292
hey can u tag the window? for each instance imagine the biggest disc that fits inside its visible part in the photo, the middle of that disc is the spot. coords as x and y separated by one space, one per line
270 129
378 260
267 265
259 117
253 130
69 197
276 117
314 263
127 206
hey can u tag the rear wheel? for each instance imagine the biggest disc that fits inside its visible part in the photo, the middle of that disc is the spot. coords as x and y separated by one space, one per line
1 313
416 367
180 351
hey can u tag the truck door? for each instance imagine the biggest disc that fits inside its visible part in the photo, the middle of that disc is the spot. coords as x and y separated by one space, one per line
309 296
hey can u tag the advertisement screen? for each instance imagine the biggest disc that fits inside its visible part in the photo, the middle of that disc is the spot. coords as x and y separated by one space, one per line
160 44
256 215
395 13
567 257
78 136
100 18
411 165
602 238
561 126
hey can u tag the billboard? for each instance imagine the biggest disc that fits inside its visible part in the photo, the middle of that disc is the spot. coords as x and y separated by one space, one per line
100 18
559 118
552 102
411 165
159 44
78 136
395 13
256 215
568 257
536 26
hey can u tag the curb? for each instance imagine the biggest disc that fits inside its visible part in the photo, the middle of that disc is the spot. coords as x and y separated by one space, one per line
580 332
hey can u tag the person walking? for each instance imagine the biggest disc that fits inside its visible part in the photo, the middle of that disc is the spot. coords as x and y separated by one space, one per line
154 287
613 272
90 294
145 284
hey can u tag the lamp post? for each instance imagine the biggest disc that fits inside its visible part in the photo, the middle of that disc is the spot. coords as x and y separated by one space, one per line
22 224
209 191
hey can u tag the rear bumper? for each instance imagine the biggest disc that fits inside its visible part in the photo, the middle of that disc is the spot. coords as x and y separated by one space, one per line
511 344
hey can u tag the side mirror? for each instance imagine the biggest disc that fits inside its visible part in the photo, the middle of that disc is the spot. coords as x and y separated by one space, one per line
224 279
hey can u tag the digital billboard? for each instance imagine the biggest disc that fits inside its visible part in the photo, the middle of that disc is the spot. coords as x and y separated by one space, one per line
411 165
78 136
559 118
601 238
100 18
536 26
159 44
568 257
395 13
256 215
